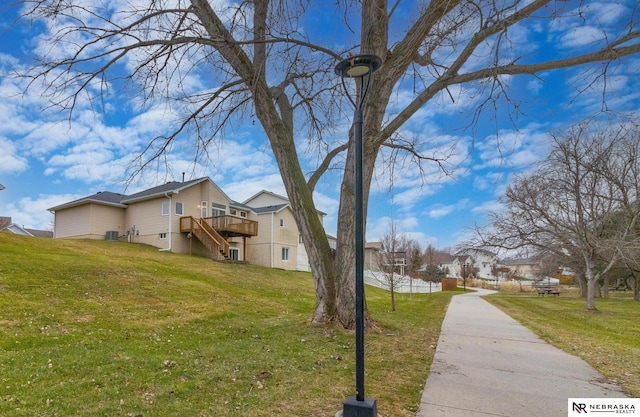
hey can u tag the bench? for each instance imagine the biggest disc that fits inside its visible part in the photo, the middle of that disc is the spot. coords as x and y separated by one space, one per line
551 291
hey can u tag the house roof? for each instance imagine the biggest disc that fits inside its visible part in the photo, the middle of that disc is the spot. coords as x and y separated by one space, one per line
101 197
265 192
374 245
242 206
271 209
40 233
17 230
285 200
171 187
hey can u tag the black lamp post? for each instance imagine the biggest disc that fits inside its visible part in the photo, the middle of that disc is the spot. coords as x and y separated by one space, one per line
359 67
464 277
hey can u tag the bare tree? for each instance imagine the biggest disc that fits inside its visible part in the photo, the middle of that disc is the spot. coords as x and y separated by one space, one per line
249 58
580 203
415 258
431 263
392 261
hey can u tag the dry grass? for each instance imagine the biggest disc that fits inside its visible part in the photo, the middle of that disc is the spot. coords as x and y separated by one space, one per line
607 340
104 328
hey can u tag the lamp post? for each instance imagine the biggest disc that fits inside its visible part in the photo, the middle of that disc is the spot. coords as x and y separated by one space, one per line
359 67
464 277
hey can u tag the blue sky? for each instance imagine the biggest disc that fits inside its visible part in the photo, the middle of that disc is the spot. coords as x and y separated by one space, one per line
48 158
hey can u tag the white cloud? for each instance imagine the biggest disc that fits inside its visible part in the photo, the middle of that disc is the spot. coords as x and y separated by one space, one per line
581 36
441 210
514 149
10 161
32 212
488 206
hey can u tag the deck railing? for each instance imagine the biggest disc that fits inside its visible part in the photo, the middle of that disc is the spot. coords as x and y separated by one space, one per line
205 234
237 226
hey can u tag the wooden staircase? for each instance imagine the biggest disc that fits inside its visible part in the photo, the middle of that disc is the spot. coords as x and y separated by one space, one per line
206 234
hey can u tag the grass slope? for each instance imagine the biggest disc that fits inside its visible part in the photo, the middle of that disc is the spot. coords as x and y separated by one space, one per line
95 328
608 340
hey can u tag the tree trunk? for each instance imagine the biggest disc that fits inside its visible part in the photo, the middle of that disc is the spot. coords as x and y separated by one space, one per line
345 253
393 290
592 285
393 297
582 283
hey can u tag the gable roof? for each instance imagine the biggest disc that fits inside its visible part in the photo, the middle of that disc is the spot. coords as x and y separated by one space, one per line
270 209
102 197
272 194
285 201
242 206
17 230
169 188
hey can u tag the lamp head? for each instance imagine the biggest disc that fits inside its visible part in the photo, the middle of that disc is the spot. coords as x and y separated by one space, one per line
358 66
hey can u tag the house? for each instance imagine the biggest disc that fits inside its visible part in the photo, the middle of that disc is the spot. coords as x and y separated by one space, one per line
455 265
279 243
523 267
6 225
191 217
194 217
482 262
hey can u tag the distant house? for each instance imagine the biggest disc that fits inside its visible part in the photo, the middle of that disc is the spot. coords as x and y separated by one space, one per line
6 225
483 263
279 243
192 217
372 255
455 265
523 267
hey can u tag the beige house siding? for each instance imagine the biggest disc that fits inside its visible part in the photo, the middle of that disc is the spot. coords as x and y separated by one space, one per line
266 248
265 199
150 223
145 222
73 223
89 221
138 218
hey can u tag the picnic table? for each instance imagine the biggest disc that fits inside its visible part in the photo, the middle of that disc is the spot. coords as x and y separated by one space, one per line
548 291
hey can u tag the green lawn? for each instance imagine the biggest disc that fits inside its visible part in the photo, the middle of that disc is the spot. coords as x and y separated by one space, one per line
95 328
609 340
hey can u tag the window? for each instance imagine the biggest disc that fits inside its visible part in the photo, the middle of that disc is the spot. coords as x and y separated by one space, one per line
165 207
285 254
243 214
232 212
218 209
281 222
203 209
179 208
163 235
234 254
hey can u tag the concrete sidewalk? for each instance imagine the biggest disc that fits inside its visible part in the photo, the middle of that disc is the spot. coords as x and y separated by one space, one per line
487 364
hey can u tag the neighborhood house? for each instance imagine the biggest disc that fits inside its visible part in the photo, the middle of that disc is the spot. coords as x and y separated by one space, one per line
191 217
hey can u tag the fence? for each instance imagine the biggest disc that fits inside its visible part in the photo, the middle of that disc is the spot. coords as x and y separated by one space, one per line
403 284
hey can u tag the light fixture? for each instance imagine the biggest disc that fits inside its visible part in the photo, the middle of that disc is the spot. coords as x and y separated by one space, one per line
359 67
